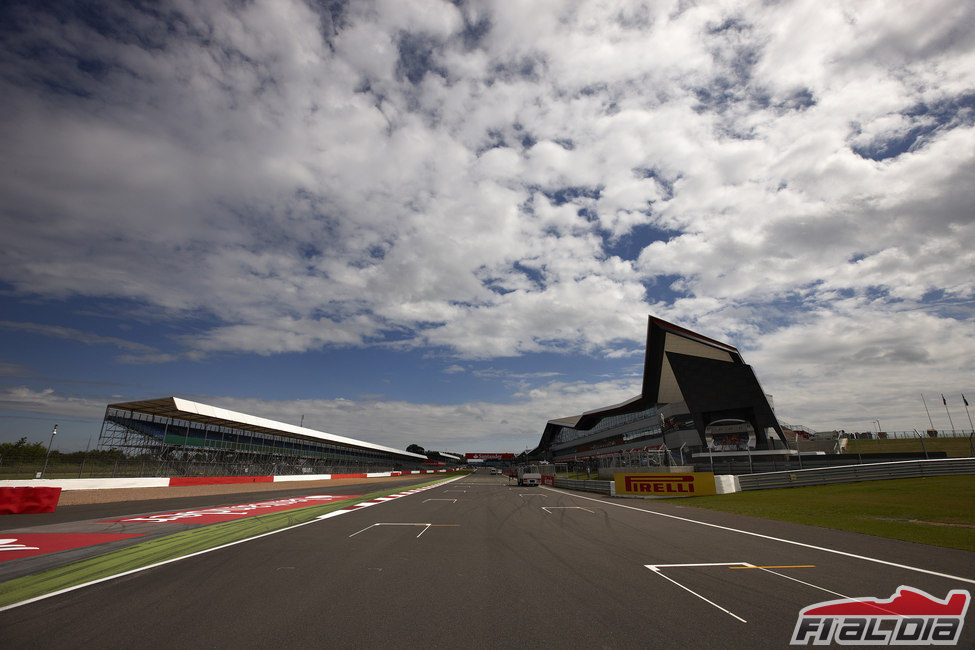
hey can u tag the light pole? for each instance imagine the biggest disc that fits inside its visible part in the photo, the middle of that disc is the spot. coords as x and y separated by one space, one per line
49 444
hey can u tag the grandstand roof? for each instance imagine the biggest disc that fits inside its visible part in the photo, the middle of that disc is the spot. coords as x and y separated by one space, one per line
183 409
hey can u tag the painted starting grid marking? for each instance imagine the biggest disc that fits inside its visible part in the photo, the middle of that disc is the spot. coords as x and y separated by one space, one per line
549 509
656 568
426 527
373 502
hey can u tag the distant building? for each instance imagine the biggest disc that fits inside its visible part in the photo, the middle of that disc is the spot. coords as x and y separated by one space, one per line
697 392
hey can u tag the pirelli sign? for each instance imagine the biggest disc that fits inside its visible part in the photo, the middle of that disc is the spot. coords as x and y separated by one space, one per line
665 485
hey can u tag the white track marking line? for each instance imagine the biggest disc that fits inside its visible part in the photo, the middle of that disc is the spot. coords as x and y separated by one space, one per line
656 570
364 529
697 564
425 527
451 500
774 539
209 550
803 582
532 495
549 509
734 565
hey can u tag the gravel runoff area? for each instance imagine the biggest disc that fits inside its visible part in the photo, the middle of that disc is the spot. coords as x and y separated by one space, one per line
113 495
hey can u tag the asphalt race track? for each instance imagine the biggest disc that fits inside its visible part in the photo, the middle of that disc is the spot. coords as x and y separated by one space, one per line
479 562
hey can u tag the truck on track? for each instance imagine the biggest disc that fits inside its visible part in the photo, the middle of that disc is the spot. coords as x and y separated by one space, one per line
529 476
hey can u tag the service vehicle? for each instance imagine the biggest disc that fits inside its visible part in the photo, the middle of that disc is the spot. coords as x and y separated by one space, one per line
529 476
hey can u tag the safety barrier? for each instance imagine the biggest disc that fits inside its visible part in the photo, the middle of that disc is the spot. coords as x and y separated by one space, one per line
603 487
855 473
176 481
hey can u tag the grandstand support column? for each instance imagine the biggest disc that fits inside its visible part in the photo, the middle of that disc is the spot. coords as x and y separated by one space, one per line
101 432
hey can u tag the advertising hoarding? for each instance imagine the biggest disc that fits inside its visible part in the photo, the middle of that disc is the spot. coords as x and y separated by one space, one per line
665 485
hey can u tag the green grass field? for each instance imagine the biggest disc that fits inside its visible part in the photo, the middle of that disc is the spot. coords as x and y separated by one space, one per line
937 510
954 447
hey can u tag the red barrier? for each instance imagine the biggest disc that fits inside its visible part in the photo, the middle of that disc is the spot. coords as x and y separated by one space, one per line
23 500
349 476
217 480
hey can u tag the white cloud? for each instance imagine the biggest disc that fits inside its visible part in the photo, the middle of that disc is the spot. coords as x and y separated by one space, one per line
460 175
473 426
49 401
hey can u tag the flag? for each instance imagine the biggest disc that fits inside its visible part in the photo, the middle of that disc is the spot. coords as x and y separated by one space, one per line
943 400
963 399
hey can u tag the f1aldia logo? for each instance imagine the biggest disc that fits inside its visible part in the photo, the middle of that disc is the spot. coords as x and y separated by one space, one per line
909 617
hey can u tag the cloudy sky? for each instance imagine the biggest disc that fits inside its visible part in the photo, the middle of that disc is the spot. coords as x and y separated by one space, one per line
447 222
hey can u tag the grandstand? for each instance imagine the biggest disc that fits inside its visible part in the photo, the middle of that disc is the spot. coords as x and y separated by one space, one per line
695 391
184 437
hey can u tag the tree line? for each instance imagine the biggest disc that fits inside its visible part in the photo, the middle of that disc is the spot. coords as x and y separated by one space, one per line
29 452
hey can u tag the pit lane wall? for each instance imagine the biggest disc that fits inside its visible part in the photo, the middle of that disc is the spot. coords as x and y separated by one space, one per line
21 496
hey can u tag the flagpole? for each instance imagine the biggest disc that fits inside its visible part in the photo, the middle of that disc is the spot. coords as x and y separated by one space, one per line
945 402
930 421
971 426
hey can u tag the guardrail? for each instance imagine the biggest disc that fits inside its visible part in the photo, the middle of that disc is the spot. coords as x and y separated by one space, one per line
855 473
603 487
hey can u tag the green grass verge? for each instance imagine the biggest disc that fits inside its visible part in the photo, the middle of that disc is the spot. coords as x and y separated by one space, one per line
953 447
936 510
171 547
